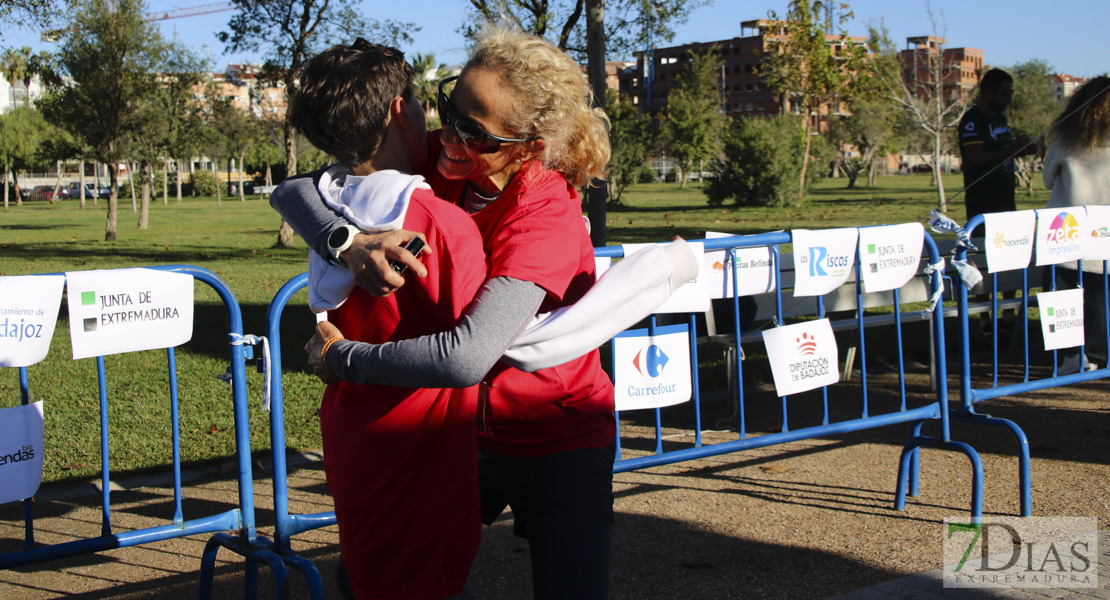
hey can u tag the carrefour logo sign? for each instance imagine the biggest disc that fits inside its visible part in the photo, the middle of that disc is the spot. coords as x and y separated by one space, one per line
649 361
652 369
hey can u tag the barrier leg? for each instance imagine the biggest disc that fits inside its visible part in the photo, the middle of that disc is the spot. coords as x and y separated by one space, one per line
208 566
1025 492
973 456
310 572
915 463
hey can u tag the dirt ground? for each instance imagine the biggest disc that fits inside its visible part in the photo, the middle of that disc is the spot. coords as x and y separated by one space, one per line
805 520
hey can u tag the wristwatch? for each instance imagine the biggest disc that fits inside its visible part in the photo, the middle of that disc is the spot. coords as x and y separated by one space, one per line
339 240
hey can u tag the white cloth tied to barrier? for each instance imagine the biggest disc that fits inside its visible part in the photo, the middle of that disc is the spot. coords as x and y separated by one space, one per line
969 273
938 269
264 364
942 223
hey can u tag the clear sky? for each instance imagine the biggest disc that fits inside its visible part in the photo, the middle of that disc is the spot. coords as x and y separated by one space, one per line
1072 35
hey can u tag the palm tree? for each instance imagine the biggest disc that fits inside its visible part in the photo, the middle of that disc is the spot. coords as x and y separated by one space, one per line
426 81
14 64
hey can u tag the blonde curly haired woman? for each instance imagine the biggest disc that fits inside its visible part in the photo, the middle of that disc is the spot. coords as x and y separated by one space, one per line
1077 170
520 135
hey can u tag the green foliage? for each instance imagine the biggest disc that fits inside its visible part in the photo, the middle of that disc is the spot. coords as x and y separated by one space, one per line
39 14
630 25
426 79
762 163
205 183
693 126
808 70
22 130
1032 110
646 174
631 139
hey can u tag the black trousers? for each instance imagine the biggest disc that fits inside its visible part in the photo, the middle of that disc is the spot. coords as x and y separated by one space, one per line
563 505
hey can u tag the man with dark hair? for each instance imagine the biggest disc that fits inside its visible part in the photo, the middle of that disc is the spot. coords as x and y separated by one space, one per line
401 463
988 147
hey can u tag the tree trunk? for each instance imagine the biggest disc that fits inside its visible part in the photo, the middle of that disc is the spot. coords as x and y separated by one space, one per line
597 195
113 202
805 160
219 197
942 202
146 173
165 181
5 189
15 184
192 176
269 174
81 181
285 232
131 184
242 196
57 181
177 180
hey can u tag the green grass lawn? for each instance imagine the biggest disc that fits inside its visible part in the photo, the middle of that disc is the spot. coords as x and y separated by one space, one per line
236 242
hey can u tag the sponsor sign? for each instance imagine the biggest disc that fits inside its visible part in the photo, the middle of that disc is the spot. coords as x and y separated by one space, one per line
889 255
1097 228
28 313
1009 241
803 356
1061 318
21 450
823 259
1020 552
1060 236
652 371
127 310
692 297
755 269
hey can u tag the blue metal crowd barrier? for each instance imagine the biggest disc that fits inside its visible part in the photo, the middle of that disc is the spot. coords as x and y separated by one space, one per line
934 408
970 395
235 527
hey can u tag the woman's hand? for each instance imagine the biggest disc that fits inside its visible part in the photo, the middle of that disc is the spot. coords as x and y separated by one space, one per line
369 256
325 332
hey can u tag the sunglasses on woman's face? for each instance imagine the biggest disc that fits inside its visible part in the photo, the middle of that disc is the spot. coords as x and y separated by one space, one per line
474 137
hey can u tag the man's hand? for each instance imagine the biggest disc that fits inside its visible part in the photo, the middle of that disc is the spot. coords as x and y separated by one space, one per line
324 331
369 255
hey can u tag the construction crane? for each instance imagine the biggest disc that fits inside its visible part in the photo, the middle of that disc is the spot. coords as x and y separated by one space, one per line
161 15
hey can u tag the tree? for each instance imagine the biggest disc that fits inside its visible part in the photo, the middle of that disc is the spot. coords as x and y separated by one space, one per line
1031 111
39 14
631 139
870 129
110 55
427 78
21 130
630 25
761 162
292 31
16 67
810 67
693 122
933 107
175 99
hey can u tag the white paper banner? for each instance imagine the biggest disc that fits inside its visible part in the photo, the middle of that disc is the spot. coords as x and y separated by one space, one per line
28 313
889 255
601 265
1098 233
21 451
1060 236
1009 241
755 269
692 297
823 259
652 371
127 310
1061 318
803 356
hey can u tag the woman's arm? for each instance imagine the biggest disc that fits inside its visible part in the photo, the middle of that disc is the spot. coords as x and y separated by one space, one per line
299 202
458 358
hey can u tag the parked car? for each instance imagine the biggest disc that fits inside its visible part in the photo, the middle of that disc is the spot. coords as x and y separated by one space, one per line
44 192
73 190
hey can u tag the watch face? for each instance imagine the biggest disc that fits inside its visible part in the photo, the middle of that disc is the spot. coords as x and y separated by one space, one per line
338 238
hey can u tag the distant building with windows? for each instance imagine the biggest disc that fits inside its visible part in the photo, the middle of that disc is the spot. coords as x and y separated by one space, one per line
959 68
1064 85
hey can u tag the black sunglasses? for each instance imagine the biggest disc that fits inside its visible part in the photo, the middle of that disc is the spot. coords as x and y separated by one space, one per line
475 138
